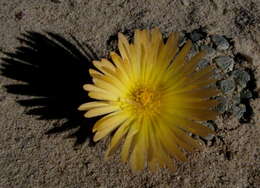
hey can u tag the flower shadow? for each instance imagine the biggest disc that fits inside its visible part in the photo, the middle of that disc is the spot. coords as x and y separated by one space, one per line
53 71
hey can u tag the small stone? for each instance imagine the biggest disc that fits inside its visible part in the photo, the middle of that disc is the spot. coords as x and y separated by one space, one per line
241 77
223 104
208 49
239 110
236 99
218 75
203 63
225 63
227 85
220 42
196 36
246 94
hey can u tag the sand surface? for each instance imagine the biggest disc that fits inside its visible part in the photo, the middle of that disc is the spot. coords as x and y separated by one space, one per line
31 158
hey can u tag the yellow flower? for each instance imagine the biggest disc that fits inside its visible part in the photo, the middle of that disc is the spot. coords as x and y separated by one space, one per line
152 97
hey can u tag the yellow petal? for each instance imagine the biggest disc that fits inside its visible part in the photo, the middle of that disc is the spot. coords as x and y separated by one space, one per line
179 61
196 94
196 114
137 37
204 104
109 120
101 111
117 138
192 64
153 165
108 126
157 43
108 65
117 60
123 46
91 87
202 74
93 73
158 153
169 142
128 142
141 38
106 86
191 126
185 141
180 78
90 105
140 149
102 96
163 158
169 51
137 159
112 79
104 65
199 84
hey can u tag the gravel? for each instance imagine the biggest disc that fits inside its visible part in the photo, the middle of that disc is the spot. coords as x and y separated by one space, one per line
210 51
236 99
241 77
223 104
239 110
220 42
246 94
196 36
225 63
227 85
203 63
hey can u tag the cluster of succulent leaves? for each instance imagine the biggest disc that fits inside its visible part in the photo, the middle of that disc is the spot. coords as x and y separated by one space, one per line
235 77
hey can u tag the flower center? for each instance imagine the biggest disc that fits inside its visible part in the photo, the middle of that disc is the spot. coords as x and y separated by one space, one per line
143 97
144 101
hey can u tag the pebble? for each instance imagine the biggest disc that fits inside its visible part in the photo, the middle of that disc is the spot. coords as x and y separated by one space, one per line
236 99
241 77
203 63
225 63
239 110
218 75
196 36
220 42
223 104
227 85
246 94
208 49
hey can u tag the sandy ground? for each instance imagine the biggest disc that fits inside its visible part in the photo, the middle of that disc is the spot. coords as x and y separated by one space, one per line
31 158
